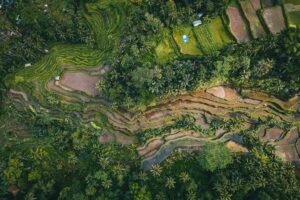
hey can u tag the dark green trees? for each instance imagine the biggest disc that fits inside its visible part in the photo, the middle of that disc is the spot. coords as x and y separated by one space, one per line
214 156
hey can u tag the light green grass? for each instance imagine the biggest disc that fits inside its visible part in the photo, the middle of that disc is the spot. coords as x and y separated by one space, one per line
294 19
292 13
190 48
212 36
166 49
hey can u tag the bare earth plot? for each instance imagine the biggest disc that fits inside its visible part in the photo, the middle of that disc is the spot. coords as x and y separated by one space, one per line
249 10
255 4
238 26
81 81
274 19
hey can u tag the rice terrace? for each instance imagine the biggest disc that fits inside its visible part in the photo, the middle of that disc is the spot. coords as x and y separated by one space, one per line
145 99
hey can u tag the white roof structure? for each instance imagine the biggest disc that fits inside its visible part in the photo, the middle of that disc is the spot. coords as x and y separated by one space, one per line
200 15
197 23
27 65
57 78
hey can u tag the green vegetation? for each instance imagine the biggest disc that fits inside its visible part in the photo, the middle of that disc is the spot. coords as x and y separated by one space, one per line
152 131
213 36
189 48
214 156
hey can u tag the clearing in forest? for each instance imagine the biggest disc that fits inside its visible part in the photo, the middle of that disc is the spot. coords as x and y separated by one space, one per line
212 36
81 81
166 50
274 19
292 12
250 10
238 26
189 48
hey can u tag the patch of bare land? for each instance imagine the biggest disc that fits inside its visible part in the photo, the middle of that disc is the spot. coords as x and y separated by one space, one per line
249 10
274 19
238 26
81 81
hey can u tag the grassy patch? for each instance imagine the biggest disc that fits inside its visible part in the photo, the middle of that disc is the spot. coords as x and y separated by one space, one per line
191 47
212 36
166 49
256 27
292 12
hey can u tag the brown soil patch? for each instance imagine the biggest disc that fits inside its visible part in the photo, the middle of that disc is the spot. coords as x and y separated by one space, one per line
231 94
261 132
252 101
23 94
66 93
256 4
272 134
274 19
298 146
288 153
124 139
81 81
256 27
235 147
224 93
107 138
237 25
201 122
151 146
217 91
290 138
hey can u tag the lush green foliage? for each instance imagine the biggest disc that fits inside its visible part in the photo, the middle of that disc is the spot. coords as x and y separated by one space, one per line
29 28
214 156
269 64
43 156
68 162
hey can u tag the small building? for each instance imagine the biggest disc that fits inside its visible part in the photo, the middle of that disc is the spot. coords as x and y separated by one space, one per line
197 23
46 50
27 65
57 78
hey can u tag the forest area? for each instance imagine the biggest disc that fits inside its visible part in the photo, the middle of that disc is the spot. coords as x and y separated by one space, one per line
51 136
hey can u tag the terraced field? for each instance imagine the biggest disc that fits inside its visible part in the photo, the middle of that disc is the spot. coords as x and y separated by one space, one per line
192 47
292 12
65 81
107 20
250 9
212 36
274 19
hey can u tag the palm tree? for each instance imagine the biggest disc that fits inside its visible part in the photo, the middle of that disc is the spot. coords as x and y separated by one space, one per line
184 177
170 183
156 170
